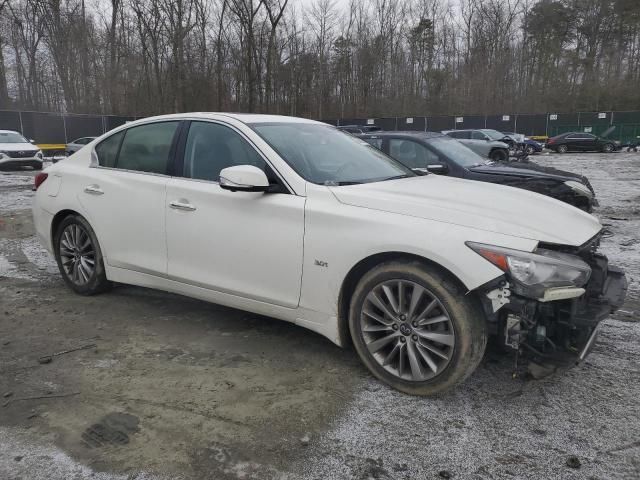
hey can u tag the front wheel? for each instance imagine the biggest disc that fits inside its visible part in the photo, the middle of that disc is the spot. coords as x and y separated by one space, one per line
530 150
499 155
79 256
415 329
607 148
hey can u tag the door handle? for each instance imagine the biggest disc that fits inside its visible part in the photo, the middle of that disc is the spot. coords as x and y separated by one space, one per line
181 205
93 190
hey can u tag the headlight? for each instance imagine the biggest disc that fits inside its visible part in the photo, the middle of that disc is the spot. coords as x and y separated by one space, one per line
579 188
3 154
39 154
534 272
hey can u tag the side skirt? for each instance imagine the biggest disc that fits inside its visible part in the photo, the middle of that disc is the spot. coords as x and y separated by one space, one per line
325 325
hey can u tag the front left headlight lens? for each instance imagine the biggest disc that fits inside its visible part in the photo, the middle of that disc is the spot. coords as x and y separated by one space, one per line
534 272
39 154
579 188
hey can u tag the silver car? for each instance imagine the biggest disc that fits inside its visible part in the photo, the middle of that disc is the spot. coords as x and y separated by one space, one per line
77 144
484 141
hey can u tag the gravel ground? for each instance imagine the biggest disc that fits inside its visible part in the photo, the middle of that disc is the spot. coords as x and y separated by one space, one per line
172 387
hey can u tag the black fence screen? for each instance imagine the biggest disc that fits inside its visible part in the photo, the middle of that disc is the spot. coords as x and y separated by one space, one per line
55 128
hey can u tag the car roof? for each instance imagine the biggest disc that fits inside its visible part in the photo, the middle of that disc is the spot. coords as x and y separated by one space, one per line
242 117
10 131
404 133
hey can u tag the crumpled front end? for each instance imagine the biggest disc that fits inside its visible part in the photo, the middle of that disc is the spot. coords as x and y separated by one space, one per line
561 324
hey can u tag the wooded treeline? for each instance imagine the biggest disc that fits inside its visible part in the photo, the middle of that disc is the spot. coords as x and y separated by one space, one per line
320 58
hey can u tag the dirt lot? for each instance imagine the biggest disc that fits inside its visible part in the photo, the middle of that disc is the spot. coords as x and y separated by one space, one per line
177 388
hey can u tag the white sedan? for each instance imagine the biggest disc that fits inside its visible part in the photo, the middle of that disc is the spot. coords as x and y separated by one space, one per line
294 219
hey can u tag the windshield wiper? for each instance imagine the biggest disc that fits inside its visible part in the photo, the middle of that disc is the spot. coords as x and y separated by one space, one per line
333 183
395 177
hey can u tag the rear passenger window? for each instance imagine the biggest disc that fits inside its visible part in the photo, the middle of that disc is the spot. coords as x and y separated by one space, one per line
107 150
146 148
460 134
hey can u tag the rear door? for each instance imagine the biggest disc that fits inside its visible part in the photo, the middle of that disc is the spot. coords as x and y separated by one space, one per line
246 244
124 196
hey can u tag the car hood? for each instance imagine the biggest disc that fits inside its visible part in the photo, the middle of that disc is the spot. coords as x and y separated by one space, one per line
18 147
479 205
528 169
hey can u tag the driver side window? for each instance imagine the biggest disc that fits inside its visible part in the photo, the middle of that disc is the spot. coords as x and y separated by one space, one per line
212 147
411 154
478 136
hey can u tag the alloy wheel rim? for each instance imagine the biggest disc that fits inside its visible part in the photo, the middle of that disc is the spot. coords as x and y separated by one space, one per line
77 254
407 330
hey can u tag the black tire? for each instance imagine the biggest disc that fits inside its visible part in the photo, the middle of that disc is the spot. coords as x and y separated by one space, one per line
499 155
608 148
562 149
530 150
97 281
464 313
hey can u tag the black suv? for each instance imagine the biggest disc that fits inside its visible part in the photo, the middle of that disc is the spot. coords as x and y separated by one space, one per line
426 152
580 142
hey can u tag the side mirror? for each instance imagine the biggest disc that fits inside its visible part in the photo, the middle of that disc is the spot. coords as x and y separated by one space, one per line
438 168
243 178
31 140
420 171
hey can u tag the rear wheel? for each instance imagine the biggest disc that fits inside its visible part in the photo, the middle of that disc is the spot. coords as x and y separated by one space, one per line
562 149
607 148
79 256
415 329
499 155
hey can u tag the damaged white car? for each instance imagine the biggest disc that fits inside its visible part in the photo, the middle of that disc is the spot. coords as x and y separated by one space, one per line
296 220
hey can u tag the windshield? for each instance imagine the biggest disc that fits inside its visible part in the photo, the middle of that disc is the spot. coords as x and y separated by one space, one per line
493 134
12 137
456 151
326 156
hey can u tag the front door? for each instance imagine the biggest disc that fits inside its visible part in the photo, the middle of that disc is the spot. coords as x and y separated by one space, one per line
242 243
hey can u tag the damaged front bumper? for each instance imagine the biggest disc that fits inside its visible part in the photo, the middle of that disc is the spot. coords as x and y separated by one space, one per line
562 327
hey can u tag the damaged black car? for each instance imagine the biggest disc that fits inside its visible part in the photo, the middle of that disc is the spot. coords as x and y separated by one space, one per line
430 152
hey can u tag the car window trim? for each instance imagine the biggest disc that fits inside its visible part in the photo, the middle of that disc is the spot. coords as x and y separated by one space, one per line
181 144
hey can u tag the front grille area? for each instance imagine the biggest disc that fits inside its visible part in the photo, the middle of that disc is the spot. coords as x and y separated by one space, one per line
23 154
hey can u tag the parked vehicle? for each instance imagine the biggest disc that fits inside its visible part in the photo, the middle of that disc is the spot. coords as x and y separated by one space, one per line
581 142
359 128
485 142
293 219
17 151
438 153
528 145
77 144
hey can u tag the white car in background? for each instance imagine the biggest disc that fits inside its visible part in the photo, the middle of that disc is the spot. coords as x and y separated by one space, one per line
294 219
17 151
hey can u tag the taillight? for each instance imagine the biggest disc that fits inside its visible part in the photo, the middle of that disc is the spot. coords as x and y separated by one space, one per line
550 141
39 180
